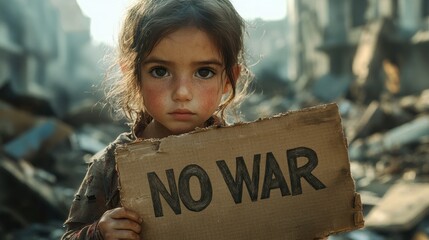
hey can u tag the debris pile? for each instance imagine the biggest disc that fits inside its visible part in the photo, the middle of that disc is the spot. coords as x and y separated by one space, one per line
389 153
43 159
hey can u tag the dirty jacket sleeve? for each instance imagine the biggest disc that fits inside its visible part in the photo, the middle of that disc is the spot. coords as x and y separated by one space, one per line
99 189
97 193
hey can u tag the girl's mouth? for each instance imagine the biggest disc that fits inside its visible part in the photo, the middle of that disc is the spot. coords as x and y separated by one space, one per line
181 114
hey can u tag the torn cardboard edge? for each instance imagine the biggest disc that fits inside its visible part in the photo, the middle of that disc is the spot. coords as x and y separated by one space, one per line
279 115
236 182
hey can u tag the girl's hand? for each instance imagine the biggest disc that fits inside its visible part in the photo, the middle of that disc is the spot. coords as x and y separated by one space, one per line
120 223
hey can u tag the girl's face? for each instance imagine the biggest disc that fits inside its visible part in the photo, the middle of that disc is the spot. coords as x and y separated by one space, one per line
183 81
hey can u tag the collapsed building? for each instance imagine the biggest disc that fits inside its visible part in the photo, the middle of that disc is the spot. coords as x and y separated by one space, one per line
46 51
362 48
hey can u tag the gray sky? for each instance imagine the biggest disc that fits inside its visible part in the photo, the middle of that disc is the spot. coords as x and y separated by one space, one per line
106 15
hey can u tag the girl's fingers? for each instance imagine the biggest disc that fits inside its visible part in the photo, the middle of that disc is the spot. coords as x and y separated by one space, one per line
124 213
125 224
120 223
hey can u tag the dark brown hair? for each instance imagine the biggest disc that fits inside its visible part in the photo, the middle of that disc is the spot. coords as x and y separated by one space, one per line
149 21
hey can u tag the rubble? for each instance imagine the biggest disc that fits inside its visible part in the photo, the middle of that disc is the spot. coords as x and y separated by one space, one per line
402 207
42 162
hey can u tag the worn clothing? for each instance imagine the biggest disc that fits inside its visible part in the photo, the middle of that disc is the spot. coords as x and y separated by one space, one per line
97 194
99 190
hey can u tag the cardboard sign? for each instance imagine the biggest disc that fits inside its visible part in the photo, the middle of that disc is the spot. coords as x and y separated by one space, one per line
287 177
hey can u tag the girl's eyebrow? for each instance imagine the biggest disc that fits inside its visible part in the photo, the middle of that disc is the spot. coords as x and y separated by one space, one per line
210 62
156 60
150 60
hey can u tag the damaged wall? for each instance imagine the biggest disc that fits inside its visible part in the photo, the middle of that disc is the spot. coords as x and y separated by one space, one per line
45 51
399 42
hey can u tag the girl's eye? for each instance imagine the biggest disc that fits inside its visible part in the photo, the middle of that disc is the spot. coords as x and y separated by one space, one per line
159 72
204 73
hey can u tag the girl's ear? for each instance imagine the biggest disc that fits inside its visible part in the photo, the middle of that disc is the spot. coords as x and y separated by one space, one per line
236 70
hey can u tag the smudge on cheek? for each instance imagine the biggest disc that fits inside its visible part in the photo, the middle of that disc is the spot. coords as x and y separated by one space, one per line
210 98
153 98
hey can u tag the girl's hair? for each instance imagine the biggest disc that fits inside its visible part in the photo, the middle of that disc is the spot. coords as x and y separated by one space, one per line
149 21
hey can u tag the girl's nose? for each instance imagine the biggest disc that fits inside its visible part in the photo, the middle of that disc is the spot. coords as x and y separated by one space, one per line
182 90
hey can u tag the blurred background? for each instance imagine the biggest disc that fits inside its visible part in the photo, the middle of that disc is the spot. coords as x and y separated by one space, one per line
371 57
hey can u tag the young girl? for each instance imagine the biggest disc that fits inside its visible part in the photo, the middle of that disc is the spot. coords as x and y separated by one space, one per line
182 69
